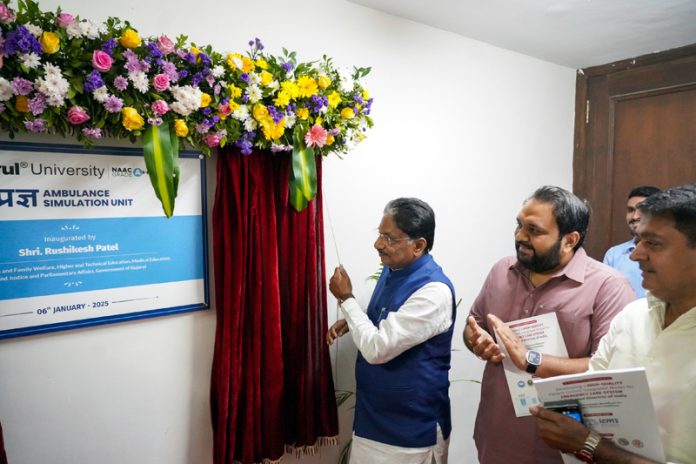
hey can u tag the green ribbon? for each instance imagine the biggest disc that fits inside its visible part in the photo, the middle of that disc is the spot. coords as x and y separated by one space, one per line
161 152
303 175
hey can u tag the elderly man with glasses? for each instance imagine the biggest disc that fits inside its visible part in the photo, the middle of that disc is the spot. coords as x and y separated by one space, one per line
402 411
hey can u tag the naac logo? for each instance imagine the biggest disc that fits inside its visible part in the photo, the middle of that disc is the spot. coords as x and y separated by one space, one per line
118 171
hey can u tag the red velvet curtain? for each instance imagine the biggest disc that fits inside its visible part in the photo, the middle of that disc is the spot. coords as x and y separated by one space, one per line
3 456
271 380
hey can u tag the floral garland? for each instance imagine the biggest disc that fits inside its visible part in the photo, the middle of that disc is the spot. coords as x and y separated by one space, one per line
66 75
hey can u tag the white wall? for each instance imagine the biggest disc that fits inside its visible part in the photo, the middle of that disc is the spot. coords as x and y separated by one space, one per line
468 127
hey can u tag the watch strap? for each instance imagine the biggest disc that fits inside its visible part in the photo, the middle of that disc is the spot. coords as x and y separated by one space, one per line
586 454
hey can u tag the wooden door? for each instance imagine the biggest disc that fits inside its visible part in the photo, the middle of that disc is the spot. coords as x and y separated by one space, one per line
635 125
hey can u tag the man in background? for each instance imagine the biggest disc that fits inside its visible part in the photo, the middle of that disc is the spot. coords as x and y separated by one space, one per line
618 255
551 273
402 406
658 333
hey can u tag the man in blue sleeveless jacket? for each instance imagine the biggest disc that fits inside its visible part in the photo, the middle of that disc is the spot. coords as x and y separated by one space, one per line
402 411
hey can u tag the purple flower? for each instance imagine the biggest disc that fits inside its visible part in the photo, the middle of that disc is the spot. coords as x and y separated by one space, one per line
244 143
183 74
154 50
196 79
245 77
202 127
22 86
22 41
215 119
245 98
155 121
37 105
93 82
207 111
205 59
358 98
113 104
170 70
92 132
275 114
217 89
108 46
259 45
287 66
37 125
121 83
190 57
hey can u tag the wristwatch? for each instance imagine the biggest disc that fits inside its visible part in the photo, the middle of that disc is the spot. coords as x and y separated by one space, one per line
533 361
586 454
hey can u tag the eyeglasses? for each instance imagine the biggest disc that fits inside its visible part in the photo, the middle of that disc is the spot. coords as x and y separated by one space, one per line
389 240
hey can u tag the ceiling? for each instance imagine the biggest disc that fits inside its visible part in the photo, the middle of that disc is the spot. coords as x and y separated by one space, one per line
574 33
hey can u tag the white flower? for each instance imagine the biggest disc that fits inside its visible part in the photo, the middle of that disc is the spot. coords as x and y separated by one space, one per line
52 70
35 30
73 30
254 93
274 86
5 89
345 81
30 60
101 94
237 62
218 71
55 88
55 100
290 121
250 125
89 29
255 79
241 113
188 99
139 80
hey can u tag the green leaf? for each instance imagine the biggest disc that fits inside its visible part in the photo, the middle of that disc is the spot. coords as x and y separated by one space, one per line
162 160
303 176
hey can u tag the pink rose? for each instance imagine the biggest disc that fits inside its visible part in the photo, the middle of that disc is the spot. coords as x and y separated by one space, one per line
101 61
160 107
165 44
64 20
213 140
6 15
77 115
161 82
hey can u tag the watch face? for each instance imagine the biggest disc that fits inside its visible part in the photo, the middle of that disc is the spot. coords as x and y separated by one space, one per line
533 357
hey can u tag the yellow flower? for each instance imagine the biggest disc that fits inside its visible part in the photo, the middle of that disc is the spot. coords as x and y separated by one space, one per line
347 113
266 78
180 128
334 99
50 42
263 64
365 94
324 82
307 86
240 63
318 121
235 91
130 39
273 131
205 100
131 120
282 99
233 105
260 112
302 113
330 139
22 104
291 88
195 51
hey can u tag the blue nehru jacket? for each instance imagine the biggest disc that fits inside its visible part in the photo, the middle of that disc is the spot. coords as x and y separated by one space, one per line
617 257
400 402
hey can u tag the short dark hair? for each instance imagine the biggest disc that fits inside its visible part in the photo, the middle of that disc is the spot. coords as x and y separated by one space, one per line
572 214
679 203
643 191
415 217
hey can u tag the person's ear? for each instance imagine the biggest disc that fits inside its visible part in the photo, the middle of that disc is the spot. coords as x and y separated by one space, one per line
420 245
571 240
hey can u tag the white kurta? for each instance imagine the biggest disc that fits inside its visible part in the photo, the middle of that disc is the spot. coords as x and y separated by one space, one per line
425 314
636 338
